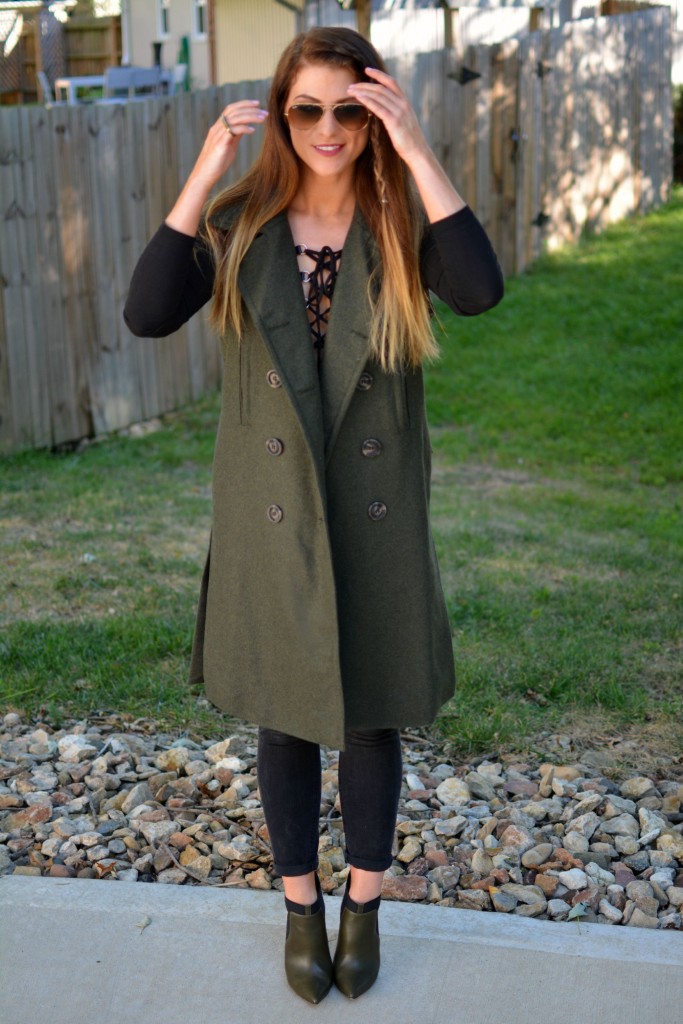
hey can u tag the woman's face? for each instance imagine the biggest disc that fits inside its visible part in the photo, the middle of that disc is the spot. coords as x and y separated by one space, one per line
326 149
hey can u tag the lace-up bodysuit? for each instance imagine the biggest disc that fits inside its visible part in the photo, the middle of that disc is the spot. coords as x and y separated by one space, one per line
321 281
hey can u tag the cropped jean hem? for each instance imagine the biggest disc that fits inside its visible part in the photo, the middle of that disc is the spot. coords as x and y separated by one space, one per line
295 870
369 865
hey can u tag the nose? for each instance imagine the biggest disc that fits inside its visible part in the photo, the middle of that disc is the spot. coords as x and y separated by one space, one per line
328 123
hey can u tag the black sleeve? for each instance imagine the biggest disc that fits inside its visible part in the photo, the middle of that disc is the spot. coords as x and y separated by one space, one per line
459 265
172 280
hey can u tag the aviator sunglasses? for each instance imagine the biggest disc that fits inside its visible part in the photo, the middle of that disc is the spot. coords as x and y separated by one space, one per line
352 116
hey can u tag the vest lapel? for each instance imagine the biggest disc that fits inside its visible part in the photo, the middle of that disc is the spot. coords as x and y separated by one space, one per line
271 287
346 348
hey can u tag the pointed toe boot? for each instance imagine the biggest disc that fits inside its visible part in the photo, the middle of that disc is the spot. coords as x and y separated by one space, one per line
356 958
308 964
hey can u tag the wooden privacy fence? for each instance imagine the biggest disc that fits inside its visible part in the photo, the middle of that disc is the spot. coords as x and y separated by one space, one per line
544 136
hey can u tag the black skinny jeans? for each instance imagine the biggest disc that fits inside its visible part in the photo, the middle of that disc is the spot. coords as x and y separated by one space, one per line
370 772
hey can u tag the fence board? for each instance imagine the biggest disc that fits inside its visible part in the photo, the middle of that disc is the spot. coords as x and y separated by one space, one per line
82 189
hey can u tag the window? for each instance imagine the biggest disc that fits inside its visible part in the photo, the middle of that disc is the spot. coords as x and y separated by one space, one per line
164 18
199 19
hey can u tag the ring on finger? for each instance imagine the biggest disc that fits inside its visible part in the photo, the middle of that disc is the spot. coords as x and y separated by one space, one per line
226 124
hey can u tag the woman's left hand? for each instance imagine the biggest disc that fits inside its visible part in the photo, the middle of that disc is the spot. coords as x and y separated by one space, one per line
385 99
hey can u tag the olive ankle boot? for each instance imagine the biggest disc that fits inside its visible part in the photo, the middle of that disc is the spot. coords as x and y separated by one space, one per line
308 964
356 958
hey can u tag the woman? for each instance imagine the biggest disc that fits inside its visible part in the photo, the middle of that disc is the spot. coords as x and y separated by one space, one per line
321 615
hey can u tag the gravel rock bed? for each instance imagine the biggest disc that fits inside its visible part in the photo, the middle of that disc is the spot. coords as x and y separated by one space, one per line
113 799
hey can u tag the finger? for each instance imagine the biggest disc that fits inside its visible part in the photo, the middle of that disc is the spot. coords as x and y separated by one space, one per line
382 105
385 79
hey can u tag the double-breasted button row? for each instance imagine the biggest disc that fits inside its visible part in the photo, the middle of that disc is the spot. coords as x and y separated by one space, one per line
377 510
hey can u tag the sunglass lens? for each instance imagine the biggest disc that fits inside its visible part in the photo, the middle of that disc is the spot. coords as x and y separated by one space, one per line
304 115
352 116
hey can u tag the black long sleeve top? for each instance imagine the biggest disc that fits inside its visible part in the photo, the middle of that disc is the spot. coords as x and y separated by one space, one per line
174 276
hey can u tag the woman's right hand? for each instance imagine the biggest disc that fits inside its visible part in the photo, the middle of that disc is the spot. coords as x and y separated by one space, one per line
216 157
220 148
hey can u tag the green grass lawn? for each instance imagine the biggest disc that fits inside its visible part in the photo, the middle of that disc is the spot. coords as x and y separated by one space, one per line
558 432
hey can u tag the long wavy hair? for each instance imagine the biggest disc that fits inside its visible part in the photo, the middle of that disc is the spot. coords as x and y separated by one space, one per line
400 329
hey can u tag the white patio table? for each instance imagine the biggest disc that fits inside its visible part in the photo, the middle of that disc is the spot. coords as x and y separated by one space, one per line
71 85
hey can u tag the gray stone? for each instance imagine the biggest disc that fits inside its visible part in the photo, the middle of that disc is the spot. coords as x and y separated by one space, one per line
139 794
616 805
479 786
172 876
451 826
626 845
524 893
503 902
622 825
446 877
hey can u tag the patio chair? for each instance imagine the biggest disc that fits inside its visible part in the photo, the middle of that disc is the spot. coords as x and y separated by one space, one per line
45 93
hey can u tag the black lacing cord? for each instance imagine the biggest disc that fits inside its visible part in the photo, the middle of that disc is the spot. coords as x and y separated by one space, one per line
322 280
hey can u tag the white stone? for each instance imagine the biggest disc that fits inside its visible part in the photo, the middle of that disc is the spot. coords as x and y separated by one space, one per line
451 826
557 909
453 791
239 849
158 831
574 878
637 787
612 914
584 824
574 842
233 763
599 875
74 747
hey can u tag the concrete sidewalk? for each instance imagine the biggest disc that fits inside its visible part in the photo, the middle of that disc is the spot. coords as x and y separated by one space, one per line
72 952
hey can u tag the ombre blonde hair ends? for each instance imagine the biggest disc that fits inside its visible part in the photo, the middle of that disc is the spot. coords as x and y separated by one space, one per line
400 330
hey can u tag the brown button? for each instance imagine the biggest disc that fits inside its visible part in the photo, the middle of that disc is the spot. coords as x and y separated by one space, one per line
274 513
273 379
274 446
377 510
371 448
365 382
